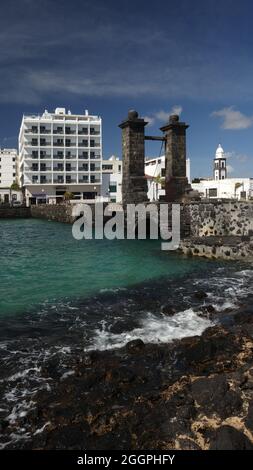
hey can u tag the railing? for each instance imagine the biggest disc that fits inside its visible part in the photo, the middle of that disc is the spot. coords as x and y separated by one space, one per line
83 144
95 157
83 180
94 132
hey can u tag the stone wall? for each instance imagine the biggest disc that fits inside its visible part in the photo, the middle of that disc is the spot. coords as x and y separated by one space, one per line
219 218
57 212
228 248
7 212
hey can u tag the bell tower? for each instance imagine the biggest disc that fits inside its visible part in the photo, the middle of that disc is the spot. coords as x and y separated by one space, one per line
220 164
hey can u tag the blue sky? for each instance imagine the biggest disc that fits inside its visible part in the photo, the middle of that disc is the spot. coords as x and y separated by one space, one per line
154 56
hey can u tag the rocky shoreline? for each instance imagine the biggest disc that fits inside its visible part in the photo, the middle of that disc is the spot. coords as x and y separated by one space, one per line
194 393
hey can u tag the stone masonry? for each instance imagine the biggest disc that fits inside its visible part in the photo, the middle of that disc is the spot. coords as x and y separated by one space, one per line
176 182
134 184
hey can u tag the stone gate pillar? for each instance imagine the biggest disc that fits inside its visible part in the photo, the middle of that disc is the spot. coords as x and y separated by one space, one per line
176 181
134 183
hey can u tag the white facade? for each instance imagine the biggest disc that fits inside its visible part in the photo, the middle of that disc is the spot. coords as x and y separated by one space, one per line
221 187
112 179
155 171
60 152
8 167
229 188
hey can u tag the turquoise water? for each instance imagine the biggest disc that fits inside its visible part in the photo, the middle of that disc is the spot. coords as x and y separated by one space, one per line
42 262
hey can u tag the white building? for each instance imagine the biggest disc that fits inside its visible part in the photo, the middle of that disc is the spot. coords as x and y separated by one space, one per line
60 152
221 187
8 176
112 179
8 167
155 172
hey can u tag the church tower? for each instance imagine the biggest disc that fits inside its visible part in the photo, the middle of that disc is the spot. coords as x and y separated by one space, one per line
220 164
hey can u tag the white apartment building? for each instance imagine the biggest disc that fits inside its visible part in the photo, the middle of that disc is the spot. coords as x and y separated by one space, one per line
222 187
60 152
112 179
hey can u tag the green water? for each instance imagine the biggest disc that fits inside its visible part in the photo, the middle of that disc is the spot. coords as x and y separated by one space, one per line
41 262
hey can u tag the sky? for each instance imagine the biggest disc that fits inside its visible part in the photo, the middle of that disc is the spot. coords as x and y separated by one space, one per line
158 57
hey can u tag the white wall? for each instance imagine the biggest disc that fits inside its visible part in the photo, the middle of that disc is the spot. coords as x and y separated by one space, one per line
226 189
8 167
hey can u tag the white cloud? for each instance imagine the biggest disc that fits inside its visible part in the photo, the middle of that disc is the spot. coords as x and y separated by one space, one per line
233 119
163 115
230 169
150 120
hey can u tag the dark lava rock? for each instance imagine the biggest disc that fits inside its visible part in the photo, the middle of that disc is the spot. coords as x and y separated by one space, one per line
213 395
135 345
228 438
244 317
187 444
207 311
168 310
200 295
120 326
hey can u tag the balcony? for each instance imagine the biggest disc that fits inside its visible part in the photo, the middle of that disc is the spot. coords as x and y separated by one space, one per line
70 168
58 143
45 180
83 156
94 132
44 130
70 144
70 157
44 155
44 143
83 131
70 131
58 168
45 168
70 180
95 156
95 179
32 130
83 168
94 143
83 179
94 168
59 130
58 179
83 143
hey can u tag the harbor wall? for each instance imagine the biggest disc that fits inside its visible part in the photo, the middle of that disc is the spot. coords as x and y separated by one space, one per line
7 212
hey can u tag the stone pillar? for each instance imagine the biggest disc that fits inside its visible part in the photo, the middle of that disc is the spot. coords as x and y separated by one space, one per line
176 182
134 183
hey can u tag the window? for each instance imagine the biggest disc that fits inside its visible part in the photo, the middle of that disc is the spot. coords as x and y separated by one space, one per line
14 159
113 188
213 192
